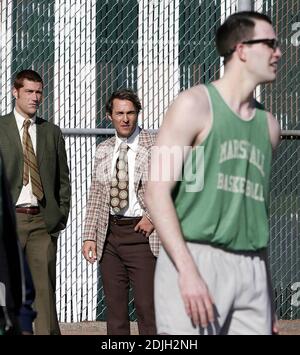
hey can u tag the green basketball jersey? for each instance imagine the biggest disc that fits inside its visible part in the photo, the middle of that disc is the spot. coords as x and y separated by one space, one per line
231 210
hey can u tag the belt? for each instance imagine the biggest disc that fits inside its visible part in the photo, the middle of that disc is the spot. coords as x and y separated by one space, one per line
28 210
121 220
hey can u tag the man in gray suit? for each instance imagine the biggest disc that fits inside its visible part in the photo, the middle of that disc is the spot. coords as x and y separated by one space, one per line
34 155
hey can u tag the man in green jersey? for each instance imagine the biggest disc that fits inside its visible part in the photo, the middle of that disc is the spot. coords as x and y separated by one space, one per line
211 277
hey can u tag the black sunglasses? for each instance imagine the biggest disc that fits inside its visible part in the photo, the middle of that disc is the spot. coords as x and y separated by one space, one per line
272 43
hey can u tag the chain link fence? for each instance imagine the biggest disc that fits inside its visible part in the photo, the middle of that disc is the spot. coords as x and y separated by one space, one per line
85 49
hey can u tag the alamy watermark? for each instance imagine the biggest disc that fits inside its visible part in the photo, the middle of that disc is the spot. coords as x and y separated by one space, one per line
171 164
295 39
295 299
2 295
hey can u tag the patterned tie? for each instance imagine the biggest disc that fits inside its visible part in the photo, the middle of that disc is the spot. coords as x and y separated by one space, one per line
30 164
119 184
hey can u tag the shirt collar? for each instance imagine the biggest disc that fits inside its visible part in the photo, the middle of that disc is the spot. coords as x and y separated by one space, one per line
20 119
131 141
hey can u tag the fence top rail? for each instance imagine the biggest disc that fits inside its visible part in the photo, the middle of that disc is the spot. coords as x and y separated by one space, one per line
110 131
91 131
290 133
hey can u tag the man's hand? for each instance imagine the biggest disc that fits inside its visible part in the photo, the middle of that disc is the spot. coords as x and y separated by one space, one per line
89 251
275 325
144 226
196 298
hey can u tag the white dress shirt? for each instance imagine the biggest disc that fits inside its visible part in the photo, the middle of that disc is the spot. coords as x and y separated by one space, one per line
133 209
26 197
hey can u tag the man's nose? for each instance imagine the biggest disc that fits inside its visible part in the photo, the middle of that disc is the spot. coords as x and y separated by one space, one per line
35 96
278 52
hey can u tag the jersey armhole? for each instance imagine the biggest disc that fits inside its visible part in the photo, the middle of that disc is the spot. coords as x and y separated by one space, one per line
211 116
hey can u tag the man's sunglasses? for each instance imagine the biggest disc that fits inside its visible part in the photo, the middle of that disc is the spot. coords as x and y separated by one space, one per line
270 42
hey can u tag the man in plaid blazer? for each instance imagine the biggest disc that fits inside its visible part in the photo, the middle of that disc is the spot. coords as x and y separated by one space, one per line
123 240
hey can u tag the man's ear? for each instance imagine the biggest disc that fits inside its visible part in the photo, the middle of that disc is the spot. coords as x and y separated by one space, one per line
240 50
109 116
15 93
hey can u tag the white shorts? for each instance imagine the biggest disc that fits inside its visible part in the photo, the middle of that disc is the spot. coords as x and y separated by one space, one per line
237 283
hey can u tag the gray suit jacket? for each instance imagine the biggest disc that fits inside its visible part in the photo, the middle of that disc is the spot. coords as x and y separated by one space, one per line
52 163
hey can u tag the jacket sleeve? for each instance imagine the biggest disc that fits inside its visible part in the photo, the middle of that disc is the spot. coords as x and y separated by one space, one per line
63 182
143 187
93 205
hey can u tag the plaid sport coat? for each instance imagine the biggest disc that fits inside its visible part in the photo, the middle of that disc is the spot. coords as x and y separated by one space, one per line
98 205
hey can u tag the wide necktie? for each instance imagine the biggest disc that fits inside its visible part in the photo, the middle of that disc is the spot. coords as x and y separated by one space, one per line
30 164
119 184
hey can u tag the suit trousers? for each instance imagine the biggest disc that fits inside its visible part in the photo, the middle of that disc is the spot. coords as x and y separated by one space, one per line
40 250
127 259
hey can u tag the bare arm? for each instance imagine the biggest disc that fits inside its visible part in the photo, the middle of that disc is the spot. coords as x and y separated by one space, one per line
185 122
274 130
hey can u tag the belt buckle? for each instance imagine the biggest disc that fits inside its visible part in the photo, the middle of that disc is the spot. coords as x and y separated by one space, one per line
31 210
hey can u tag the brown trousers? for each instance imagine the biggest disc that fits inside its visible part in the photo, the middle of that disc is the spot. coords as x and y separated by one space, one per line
40 249
127 258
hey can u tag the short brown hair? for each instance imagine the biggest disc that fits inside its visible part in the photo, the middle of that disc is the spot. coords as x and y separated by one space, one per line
237 28
28 74
123 94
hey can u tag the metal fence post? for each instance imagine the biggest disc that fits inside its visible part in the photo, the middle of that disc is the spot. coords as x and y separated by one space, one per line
245 5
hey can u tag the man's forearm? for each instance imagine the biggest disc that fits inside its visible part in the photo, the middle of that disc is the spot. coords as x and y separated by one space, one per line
166 223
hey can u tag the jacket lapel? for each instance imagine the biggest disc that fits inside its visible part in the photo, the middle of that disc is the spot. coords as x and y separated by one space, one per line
141 158
107 154
40 140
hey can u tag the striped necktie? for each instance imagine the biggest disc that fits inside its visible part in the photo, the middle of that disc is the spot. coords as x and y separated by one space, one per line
30 164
